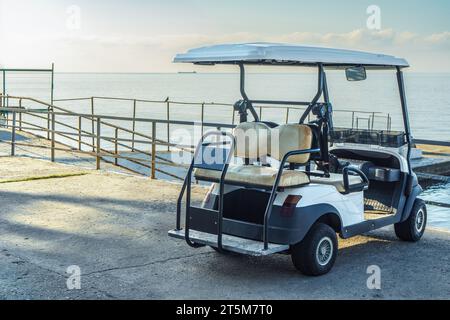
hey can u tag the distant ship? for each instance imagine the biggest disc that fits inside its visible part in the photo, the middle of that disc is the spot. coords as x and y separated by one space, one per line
187 72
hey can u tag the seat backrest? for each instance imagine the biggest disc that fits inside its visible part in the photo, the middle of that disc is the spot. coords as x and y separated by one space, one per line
252 140
291 137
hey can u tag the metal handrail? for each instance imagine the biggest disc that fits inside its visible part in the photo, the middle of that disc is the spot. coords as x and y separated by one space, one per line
187 189
52 111
286 106
261 104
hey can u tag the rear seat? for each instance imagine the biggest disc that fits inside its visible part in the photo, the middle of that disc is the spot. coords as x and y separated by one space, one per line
254 141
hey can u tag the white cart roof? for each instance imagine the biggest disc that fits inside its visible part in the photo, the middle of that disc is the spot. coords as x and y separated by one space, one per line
285 54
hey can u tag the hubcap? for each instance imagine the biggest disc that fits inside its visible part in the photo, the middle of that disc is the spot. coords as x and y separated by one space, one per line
420 220
324 251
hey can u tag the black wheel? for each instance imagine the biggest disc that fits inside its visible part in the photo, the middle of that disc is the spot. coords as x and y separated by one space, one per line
316 254
413 228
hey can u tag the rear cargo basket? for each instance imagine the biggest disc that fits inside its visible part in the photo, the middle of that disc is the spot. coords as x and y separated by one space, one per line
392 139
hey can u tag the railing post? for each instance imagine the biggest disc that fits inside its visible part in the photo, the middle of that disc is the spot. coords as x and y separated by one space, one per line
373 120
353 119
93 124
53 135
116 147
203 118
168 124
79 133
20 115
98 148
287 115
6 115
134 125
13 135
49 115
233 120
153 174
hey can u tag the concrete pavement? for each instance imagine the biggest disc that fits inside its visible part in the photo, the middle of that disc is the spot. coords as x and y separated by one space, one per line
114 227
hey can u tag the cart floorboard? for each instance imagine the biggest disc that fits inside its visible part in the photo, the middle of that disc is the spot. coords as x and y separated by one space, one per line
231 243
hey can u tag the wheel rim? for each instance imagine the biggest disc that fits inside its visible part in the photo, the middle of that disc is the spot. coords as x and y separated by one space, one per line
324 251
420 220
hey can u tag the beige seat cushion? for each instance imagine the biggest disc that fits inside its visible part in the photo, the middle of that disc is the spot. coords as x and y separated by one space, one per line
252 140
291 137
336 180
256 175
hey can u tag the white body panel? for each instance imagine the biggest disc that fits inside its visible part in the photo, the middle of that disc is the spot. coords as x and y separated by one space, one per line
350 207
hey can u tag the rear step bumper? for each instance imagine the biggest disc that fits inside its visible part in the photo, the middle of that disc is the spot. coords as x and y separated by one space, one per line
231 243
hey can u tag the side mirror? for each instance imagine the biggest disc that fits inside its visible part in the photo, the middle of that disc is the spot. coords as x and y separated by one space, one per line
356 74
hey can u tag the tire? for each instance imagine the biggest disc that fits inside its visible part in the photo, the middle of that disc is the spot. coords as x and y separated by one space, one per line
414 227
316 254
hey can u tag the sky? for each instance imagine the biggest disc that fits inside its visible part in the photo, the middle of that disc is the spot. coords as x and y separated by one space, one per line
144 35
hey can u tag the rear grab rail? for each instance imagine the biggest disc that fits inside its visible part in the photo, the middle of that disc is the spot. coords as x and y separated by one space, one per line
273 194
188 182
187 189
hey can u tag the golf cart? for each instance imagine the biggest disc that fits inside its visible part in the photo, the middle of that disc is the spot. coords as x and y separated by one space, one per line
291 188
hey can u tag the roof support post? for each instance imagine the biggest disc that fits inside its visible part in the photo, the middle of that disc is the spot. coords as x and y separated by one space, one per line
248 104
320 91
326 97
409 139
327 125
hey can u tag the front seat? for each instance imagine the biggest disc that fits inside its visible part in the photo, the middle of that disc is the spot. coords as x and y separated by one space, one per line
336 180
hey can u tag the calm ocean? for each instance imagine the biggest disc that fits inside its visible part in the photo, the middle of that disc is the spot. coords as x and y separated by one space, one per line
428 94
